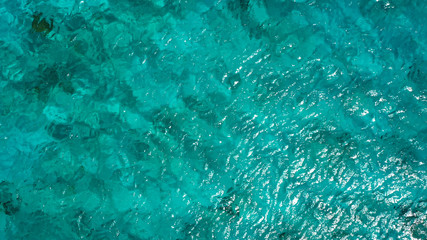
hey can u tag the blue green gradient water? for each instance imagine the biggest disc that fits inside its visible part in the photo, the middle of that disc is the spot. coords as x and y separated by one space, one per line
207 119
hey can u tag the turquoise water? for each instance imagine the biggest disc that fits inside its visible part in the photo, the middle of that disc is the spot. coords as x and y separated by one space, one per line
273 119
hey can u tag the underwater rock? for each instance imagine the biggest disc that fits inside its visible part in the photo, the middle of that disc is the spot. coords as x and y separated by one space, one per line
9 200
59 131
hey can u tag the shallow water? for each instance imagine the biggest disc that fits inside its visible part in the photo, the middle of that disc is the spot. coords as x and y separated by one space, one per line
206 119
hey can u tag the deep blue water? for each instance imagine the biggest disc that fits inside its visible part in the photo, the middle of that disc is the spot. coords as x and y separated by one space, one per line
274 119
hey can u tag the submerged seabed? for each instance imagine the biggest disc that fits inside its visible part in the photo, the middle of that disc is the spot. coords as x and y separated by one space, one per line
241 119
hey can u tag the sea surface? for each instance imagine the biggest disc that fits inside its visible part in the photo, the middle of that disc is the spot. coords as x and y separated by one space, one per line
200 119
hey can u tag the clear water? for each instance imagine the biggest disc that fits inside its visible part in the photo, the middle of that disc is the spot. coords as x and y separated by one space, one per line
273 119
